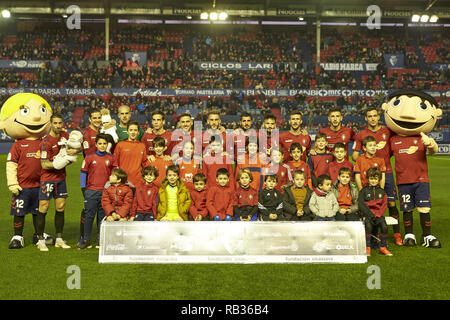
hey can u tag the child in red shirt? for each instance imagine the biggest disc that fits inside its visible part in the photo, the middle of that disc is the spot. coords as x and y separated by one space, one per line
296 163
246 198
253 161
161 163
368 160
117 198
146 198
220 198
198 210
340 161
277 167
189 165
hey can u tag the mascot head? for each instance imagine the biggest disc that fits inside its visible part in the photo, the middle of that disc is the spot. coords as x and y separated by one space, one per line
410 112
25 116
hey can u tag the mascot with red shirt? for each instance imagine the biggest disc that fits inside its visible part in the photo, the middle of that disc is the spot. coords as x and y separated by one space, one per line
25 117
411 114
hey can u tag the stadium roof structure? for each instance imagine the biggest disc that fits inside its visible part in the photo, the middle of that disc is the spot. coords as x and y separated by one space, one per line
235 8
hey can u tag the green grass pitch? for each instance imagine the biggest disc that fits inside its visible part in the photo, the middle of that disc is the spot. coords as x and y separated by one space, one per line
412 273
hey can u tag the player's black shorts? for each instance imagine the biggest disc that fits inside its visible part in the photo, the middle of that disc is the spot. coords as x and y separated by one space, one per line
26 202
53 189
414 195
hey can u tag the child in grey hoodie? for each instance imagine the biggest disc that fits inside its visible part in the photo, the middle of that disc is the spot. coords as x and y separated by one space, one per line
323 203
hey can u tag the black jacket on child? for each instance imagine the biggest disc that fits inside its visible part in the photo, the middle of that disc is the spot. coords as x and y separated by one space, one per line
270 201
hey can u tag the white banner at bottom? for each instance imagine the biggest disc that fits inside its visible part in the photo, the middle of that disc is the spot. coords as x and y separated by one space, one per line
232 242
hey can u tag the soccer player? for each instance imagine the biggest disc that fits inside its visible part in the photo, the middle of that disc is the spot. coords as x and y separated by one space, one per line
266 140
53 183
158 122
130 155
90 132
124 114
89 146
95 172
23 165
411 114
215 129
241 135
185 133
295 134
336 132
382 136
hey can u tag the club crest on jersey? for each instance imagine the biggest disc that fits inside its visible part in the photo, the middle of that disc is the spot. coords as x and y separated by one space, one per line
343 137
107 162
149 192
250 197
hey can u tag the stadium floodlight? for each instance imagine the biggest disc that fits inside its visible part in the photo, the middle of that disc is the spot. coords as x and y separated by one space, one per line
434 18
213 16
189 17
223 15
415 18
424 18
6 14
204 15
301 18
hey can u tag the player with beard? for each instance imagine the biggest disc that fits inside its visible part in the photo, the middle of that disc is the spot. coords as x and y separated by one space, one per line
295 134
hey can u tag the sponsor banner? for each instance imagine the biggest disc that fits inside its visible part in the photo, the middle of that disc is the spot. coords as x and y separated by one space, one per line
235 65
349 66
139 57
25 64
232 242
363 13
317 92
394 60
443 149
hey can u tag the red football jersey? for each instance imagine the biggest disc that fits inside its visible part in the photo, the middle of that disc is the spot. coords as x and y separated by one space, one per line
334 167
161 165
98 169
410 159
363 163
207 137
89 135
281 170
188 169
302 166
147 139
344 135
49 149
382 136
27 155
319 163
131 156
287 138
211 164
